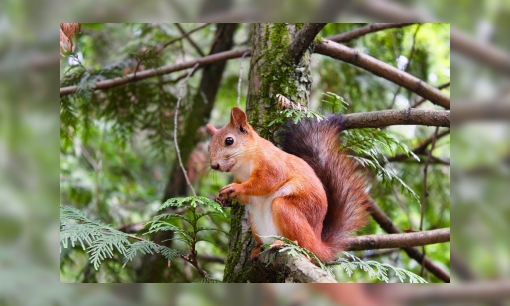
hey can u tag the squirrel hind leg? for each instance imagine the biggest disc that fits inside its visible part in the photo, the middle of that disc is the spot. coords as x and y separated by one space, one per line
292 224
258 242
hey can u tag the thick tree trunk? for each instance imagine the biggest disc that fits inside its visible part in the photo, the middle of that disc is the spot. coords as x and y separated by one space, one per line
272 71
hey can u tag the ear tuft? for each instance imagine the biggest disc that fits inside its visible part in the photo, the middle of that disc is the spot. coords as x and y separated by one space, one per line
238 119
211 129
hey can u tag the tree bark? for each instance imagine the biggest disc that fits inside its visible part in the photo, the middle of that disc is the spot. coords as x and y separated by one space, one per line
407 240
272 71
408 116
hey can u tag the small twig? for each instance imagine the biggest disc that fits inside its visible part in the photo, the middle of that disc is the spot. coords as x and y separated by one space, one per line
159 49
191 41
240 79
425 172
379 253
421 148
425 191
403 206
371 28
175 129
419 102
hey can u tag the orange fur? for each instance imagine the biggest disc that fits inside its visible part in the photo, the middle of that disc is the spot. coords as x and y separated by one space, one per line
283 192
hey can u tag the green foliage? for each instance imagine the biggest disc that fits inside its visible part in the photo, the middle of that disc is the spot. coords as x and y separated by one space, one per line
116 143
101 240
190 229
295 250
371 147
376 269
296 115
335 102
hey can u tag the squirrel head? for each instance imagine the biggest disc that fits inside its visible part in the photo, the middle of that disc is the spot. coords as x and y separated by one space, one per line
230 144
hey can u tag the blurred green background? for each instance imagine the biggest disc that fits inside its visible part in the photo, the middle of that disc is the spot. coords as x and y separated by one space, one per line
29 140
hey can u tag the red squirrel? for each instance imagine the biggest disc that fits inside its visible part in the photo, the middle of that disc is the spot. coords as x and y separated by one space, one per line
309 191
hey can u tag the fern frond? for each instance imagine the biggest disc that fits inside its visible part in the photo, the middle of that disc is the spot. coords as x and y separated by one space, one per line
371 147
193 201
103 246
376 269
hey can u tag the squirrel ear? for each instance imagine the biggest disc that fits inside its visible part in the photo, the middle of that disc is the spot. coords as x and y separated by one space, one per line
239 120
211 129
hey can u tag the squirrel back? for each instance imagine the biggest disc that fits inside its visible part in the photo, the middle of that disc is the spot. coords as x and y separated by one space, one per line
318 144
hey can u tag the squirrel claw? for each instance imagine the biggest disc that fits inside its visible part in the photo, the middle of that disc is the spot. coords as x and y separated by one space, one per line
223 202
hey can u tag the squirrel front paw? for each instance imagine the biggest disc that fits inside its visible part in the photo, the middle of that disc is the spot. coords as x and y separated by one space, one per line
226 194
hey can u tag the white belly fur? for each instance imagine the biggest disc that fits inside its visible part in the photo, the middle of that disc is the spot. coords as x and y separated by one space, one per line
262 216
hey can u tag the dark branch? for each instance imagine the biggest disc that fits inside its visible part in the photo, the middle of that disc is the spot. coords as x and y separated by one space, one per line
184 35
191 41
206 60
434 160
407 240
371 28
355 57
387 225
384 118
421 148
419 102
303 39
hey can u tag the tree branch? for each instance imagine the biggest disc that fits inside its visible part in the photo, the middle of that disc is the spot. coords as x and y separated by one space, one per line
371 242
295 269
355 57
206 60
160 48
303 39
384 118
419 102
371 28
421 148
386 224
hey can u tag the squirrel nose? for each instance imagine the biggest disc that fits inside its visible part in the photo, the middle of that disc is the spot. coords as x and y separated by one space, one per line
215 166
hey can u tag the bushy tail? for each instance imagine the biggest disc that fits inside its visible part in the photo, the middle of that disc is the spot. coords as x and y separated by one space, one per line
318 143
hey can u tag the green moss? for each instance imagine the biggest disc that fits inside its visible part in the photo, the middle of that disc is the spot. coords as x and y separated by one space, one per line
278 74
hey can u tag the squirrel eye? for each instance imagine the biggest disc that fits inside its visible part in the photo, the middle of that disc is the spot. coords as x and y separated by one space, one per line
229 141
